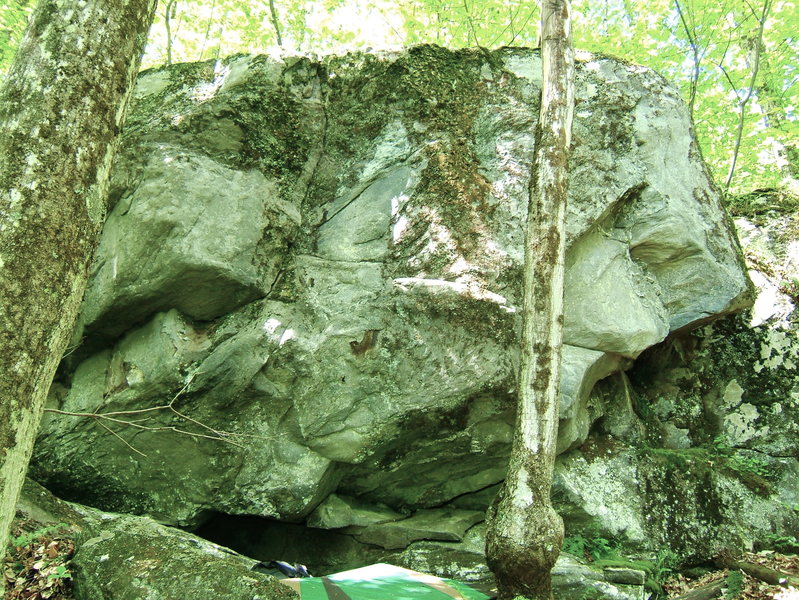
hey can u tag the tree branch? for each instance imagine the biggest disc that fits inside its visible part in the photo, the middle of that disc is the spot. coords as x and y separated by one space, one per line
694 50
117 417
471 24
706 592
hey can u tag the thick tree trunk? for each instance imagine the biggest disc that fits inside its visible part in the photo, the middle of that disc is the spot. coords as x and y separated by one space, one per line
525 533
61 107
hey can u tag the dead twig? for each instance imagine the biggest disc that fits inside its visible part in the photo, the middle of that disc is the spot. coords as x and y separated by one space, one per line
118 417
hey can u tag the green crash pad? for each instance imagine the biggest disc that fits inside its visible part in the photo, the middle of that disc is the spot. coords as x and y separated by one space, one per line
382 582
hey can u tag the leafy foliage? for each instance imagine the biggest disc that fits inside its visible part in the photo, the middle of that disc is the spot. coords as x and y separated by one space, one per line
782 543
595 548
666 563
13 20
591 548
741 463
705 47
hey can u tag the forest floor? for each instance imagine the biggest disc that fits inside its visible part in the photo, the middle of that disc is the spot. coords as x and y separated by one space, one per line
737 584
37 568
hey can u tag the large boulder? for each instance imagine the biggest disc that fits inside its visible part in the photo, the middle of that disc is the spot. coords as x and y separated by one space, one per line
310 279
328 551
122 557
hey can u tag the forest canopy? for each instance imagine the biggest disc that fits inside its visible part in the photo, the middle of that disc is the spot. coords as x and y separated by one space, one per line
736 62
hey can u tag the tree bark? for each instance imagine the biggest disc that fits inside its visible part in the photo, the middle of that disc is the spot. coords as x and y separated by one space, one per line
61 107
525 533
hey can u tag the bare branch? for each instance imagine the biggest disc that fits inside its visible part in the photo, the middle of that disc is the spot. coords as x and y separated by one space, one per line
116 417
72 348
729 80
524 25
743 101
120 438
511 16
220 436
399 37
208 29
694 50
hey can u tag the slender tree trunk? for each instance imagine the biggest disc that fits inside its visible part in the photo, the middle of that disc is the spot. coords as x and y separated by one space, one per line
472 33
750 91
61 107
275 22
693 42
169 14
208 29
525 533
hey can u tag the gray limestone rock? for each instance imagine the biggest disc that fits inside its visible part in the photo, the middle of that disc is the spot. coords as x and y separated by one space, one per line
693 501
433 524
131 558
727 385
572 579
193 235
463 560
326 551
774 266
314 268
337 512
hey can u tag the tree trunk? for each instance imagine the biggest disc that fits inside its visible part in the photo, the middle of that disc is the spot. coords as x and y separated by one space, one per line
694 43
767 574
275 22
742 102
61 107
524 532
169 14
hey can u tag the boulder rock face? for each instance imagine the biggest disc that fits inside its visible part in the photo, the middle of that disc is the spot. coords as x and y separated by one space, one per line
698 449
309 282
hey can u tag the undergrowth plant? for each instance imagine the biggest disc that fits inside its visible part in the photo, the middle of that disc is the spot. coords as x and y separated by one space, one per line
36 564
591 548
782 543
734 585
